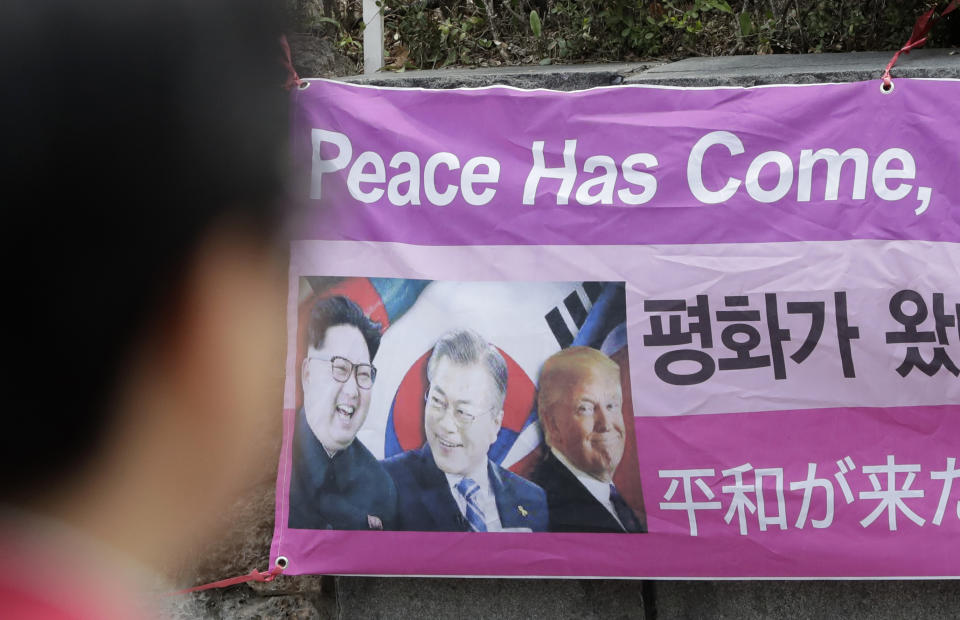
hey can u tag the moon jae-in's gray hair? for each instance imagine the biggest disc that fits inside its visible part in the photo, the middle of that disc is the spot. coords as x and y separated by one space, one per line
464 347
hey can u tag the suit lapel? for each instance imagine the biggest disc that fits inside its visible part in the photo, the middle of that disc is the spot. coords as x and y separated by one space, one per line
435 495
508 507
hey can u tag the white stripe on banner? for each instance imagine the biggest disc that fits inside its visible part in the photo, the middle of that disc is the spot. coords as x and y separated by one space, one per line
527 441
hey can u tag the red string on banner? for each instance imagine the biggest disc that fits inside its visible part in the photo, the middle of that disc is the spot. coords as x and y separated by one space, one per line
292 78
255 575
918 38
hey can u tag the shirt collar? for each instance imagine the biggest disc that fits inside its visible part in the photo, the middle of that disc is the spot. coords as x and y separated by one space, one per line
482 478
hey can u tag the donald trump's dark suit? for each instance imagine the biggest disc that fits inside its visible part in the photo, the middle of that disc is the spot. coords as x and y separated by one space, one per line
572 508
425 503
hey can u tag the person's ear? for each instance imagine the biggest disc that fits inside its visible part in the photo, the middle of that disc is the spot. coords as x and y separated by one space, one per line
497 421
547 422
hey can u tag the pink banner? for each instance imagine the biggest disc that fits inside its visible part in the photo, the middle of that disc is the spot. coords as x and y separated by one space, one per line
624 332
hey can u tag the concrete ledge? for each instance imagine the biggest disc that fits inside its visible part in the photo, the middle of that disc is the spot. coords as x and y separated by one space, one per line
718 71
800 68
851 600
555 77
489 599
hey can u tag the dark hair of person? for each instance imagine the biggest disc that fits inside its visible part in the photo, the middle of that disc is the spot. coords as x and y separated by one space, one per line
338 310
130 130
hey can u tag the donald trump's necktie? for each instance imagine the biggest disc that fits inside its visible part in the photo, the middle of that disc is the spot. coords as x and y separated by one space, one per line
624 512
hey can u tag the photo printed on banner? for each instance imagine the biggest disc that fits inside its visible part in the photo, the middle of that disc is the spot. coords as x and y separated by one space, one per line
463 406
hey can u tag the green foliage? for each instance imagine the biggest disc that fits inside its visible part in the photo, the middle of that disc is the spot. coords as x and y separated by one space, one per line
434 33
535 27
426 38
337 20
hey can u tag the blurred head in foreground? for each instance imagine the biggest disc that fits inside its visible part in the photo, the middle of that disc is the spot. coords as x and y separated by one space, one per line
141 173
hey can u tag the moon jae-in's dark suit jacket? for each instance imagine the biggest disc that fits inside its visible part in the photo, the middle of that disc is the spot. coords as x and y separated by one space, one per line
425 502
572 508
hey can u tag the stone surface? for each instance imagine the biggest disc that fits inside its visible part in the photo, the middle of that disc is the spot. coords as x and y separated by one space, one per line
317 57
719 71
245 601
561 77
799 68
496 599
240 603
851 600
310 585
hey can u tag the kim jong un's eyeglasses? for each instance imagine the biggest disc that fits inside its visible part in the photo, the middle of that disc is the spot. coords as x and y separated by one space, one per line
341 368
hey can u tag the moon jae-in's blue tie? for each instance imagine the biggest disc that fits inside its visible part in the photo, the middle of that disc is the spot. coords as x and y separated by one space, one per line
468 488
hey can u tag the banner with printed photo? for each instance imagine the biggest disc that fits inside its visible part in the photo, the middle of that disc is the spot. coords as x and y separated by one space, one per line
629 332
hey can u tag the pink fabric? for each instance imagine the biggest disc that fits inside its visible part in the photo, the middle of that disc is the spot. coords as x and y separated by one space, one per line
789 439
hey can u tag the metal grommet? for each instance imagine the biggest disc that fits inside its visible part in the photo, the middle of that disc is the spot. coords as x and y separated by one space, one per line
886 87
281 562
303 85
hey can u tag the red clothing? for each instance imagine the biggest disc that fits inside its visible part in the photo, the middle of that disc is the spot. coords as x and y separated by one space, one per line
51 574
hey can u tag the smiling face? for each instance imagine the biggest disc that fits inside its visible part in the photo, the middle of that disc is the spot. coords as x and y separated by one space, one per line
586 422
335 411
461 392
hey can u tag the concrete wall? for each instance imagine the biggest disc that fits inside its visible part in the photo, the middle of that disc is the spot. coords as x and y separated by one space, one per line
248 545
719 71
